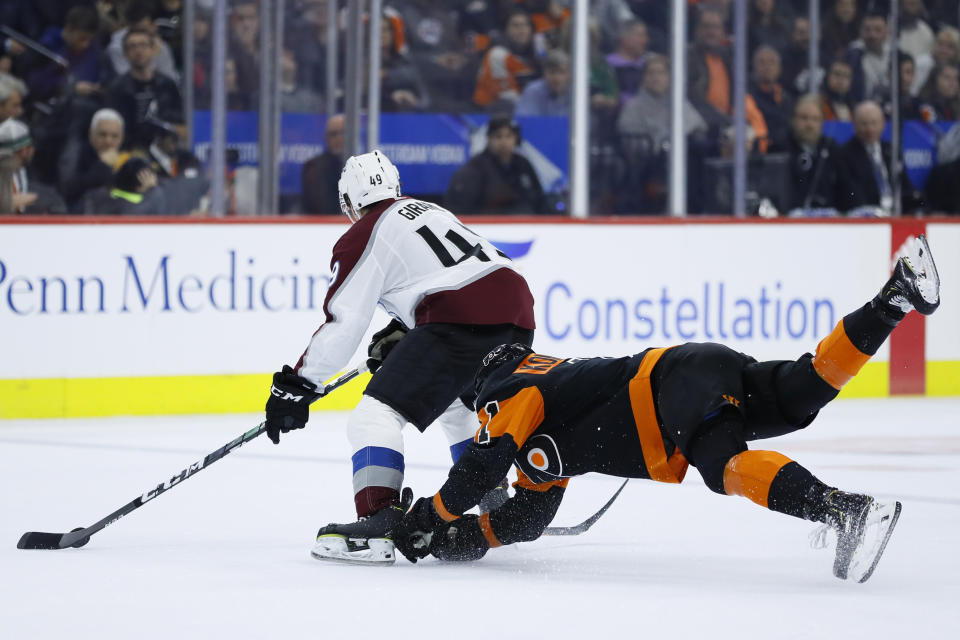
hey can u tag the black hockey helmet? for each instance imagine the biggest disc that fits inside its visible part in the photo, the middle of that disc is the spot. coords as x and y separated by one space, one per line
500 355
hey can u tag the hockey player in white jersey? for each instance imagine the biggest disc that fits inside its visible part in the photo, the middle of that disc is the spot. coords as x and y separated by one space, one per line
453 297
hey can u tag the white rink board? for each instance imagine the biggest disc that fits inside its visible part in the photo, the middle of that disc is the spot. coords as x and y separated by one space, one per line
615 289
943 327
227 304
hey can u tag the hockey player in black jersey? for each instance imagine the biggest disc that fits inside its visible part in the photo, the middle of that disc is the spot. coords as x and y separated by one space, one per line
652 414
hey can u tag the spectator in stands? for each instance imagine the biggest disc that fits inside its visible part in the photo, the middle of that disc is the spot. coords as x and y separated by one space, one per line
293 96
609 15
839 30
946 50
439 52
944 103
604 94
910 107
795 76
767 25
12 93
835 96
549 96
647 116
773 101
142 95
320 174
813 171
168 18
507 67
140 15
643 129
88 164
549 21
237 100
709 70
133 191
498 180
244 44
88 68
401 86
865 166
942 190
29 195
627 61
869 58
916 36
10 50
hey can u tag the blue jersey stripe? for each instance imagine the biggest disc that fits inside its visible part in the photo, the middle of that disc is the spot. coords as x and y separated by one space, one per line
379 456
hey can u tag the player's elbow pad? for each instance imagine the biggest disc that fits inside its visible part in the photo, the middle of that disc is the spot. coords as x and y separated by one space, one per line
482 468
524 516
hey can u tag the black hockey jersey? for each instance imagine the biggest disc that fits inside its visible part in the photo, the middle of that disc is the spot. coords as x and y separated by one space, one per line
546 416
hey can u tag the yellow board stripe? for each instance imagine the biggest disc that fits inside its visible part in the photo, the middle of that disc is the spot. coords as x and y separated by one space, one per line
153 395
943 378
247 393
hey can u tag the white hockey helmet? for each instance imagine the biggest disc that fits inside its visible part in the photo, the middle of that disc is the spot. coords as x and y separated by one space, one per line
366 179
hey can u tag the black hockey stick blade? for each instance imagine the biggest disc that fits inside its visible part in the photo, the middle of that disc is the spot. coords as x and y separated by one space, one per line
40 540
81 536
586 524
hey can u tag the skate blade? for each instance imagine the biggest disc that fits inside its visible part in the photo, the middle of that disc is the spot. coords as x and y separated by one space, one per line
929 285
863 564
369 551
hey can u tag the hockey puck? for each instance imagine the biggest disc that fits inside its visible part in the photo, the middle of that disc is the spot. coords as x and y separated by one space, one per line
82 541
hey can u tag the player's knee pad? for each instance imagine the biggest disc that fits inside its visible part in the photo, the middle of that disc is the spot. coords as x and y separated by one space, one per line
375 424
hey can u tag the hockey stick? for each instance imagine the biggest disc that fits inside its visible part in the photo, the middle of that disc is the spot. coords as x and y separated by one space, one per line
586 524
81 536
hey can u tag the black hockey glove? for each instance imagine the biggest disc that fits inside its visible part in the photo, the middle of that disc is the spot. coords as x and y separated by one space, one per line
459 540
412 534
288 406
383 342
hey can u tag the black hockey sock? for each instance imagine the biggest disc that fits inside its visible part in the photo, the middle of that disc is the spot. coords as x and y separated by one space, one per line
797 492
870 325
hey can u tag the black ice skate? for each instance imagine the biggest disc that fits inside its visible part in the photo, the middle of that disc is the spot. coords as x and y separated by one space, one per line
863 528
365 541
914 284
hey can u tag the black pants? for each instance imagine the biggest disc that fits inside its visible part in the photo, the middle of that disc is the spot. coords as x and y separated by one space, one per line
434 364
712 400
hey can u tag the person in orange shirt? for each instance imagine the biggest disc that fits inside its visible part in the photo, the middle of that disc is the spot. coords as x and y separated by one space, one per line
709 70
507 67
651 415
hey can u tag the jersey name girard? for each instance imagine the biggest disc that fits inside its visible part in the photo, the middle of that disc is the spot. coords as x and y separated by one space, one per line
419 263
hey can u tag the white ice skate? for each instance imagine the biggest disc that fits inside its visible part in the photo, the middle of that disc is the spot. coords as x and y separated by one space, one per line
915 283
863 527
880 520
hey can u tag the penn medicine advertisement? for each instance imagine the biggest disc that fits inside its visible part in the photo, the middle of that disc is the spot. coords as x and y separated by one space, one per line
146 310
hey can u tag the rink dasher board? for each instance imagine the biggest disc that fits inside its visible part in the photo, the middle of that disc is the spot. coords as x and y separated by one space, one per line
111 318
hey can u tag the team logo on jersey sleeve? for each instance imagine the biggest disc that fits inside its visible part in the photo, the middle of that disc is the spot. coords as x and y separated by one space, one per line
540 459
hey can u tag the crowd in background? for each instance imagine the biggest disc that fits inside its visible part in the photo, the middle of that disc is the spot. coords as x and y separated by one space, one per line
103 130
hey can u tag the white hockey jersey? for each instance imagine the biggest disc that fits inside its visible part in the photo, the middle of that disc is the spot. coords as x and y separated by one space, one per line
422 265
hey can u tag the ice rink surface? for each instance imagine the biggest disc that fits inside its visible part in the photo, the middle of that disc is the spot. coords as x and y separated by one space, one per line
226 555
